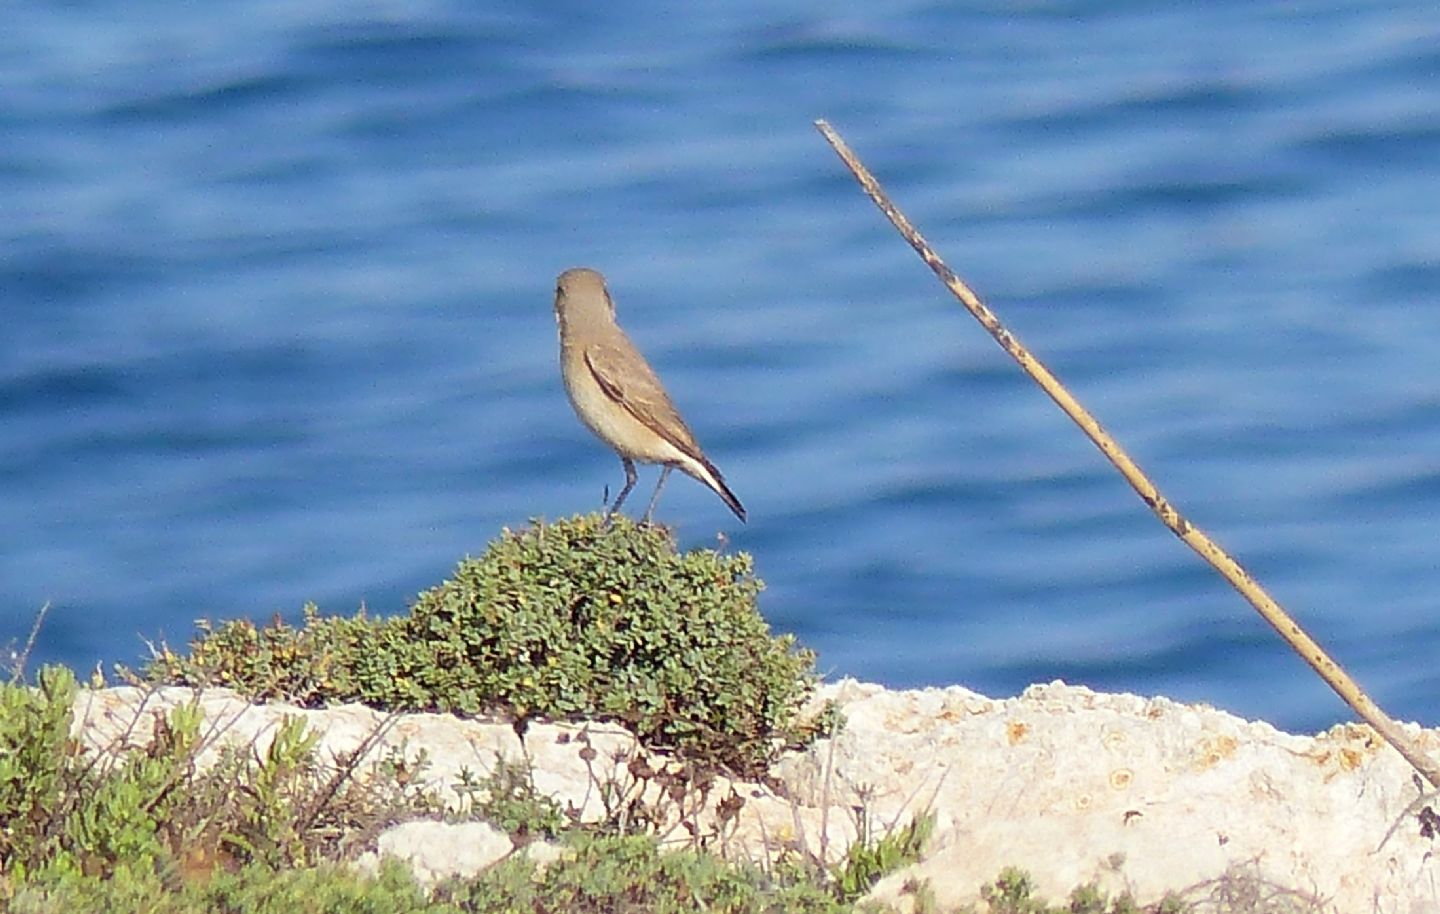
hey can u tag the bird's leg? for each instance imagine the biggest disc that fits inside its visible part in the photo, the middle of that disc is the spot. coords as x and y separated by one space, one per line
629 484
665 471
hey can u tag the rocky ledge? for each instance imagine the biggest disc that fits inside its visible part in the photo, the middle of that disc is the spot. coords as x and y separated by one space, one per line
1139 795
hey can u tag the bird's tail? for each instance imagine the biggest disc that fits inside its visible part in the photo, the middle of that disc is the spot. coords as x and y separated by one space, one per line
712 478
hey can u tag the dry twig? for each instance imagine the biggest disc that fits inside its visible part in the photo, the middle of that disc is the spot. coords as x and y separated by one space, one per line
1192 536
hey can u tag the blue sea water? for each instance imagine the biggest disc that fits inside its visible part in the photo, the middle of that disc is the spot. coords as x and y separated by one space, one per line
275 318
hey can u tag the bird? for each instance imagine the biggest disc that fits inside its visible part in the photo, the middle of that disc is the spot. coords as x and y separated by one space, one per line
619 397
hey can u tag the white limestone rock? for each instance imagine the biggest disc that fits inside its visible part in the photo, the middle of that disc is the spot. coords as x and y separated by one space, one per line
1140 795
1143 795
437 850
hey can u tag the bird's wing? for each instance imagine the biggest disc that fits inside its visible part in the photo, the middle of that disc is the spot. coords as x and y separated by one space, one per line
628 380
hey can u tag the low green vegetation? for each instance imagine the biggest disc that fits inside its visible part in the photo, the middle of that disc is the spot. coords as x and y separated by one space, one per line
874 856
578 619
630 873
1013 892
143 826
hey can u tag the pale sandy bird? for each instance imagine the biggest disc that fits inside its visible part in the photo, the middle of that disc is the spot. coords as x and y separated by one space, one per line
616 394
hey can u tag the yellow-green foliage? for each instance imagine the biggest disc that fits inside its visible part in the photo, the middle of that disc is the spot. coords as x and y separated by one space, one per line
603 874
309 665
147 829
871 857
253 889
1013 890
141 819
62 813
574 619
36 754
580 619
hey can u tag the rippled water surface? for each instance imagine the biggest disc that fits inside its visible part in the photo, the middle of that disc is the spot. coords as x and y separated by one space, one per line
275 286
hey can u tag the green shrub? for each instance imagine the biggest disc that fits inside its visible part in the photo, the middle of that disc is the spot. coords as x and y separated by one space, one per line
142 820
575 619
871 858
1013 892
507 799
604 874
37 766
310 665
584 619
254 889
65 812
